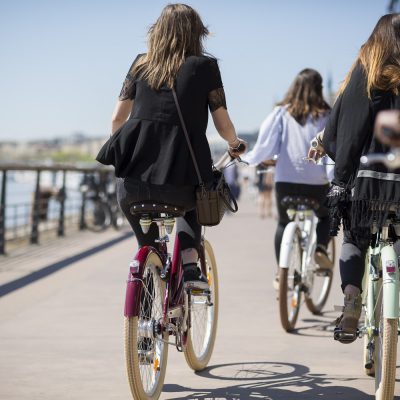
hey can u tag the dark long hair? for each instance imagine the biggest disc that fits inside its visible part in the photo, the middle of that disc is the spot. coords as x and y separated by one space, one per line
380 56
177 34
305 97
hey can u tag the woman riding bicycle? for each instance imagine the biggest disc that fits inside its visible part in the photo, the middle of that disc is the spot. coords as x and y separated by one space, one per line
286 133
149 150
362 195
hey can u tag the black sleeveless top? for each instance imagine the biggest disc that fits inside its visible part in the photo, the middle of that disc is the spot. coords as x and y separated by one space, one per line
151 143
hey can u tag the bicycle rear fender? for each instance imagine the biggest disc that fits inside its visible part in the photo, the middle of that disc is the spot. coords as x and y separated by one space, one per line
390 280
286 245
134 282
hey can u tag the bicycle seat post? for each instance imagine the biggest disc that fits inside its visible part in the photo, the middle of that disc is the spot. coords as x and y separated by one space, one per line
163 237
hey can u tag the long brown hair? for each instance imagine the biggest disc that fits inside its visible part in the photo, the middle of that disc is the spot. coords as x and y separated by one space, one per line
380 56
305 97
177 34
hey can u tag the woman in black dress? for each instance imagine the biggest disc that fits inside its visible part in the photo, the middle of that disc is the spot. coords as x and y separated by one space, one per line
149 151
362 195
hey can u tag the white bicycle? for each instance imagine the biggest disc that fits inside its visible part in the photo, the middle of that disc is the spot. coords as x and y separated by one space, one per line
298 273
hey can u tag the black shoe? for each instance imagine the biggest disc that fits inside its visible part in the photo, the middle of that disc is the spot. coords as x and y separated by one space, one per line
193 278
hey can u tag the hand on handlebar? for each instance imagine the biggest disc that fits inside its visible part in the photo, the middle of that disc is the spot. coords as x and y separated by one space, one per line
237 148
316 150
387 127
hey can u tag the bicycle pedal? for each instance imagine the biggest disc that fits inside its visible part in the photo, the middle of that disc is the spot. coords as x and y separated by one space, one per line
345 337
368 365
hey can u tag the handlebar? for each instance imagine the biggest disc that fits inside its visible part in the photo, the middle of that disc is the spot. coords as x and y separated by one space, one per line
391 160
387 127
226 160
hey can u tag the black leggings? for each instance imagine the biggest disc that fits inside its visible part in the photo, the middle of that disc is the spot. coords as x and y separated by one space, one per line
187 227
318 192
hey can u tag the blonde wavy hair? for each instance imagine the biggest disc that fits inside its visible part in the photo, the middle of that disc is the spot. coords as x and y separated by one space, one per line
380 57
177 34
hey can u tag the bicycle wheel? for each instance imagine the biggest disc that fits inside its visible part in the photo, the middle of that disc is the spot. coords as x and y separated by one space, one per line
386 354
317 295
146 350
290 285
203 318
97 215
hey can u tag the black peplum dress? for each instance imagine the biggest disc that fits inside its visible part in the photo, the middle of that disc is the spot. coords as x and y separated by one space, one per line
150 152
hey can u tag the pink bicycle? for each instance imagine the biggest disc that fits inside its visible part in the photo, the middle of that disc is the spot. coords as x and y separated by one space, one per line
158 306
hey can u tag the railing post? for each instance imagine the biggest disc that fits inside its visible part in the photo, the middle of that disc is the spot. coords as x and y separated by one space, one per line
82 223
3 213
36 212
62 195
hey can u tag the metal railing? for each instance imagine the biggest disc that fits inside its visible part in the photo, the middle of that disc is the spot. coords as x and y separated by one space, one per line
31 219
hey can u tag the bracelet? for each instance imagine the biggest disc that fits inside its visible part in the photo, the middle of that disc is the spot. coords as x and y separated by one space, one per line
235 147
234 141
314 143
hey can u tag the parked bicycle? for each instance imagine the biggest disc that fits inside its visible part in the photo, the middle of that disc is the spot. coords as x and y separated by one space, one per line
298 272
159 306
101 207
380 328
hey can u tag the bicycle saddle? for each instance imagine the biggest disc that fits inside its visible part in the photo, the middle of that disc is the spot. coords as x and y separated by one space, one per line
156 208
296 201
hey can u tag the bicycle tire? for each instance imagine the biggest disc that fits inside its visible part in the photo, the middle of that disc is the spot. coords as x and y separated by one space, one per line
290 279
146 357
97 215
316 298
386 357
203 320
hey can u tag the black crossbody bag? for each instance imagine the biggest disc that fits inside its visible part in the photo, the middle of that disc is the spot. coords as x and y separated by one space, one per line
211 202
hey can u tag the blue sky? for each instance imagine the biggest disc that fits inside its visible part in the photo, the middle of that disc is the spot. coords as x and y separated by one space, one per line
63 62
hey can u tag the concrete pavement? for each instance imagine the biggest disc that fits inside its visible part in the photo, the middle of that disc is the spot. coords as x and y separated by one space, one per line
61 337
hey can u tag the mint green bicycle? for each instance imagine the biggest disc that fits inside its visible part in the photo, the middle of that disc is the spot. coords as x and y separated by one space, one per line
380 328
381 304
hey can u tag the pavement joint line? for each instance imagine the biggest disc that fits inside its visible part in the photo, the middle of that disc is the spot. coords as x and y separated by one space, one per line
58 265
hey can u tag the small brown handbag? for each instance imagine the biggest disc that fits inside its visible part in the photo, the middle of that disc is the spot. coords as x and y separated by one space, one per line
211 202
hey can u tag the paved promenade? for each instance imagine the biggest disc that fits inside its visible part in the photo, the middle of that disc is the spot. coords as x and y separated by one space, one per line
61 326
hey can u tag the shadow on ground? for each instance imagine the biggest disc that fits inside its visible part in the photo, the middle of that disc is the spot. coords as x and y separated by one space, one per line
270 381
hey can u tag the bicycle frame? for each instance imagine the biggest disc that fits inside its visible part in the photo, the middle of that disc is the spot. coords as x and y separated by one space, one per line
135 277
382 273
174 296
305 221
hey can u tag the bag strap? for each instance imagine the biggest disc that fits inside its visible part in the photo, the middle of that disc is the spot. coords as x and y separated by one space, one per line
196 167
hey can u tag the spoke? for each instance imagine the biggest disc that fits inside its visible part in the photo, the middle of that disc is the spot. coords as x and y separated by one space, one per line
201 320
150 349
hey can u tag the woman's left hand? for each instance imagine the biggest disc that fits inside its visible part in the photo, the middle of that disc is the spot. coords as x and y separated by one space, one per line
316 150
237 148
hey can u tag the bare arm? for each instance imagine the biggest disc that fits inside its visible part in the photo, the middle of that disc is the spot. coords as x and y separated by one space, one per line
121 113
226 130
